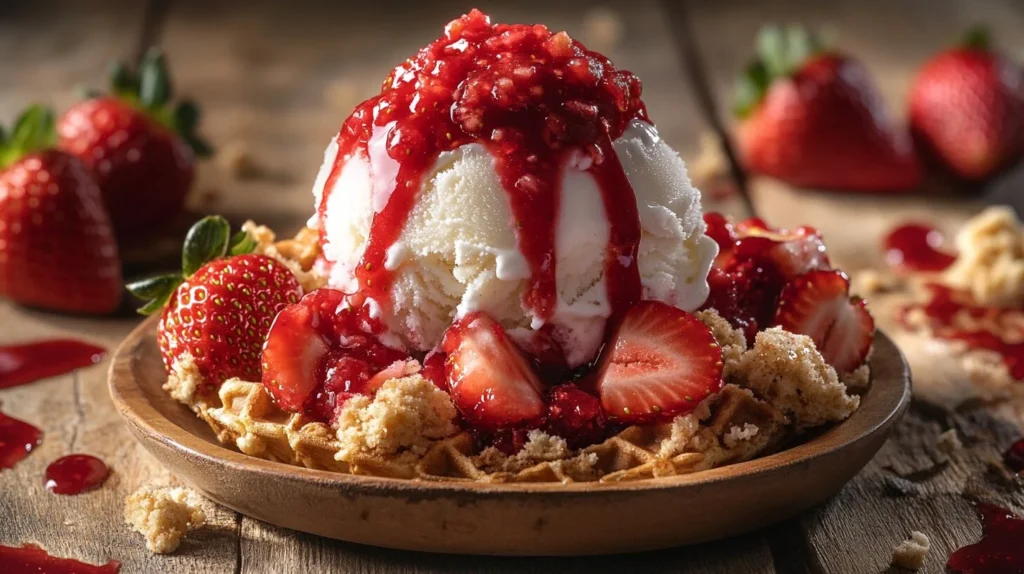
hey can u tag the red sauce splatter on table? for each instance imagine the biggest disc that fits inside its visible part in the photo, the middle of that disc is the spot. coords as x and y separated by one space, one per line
946 306
917 247
30 559
1001 548
533 99
1014 456
17 439
25 363
75 473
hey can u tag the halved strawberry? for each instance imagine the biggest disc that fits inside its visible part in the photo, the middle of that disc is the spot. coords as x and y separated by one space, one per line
291 355
489 379
661 362
793 252
818 304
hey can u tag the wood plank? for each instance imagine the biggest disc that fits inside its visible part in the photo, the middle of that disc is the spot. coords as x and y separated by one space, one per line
911 484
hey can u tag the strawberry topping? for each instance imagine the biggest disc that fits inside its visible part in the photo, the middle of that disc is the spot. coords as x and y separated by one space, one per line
319 353
661 362
818 304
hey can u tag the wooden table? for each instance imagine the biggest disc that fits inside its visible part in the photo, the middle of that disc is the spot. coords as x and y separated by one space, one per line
276 82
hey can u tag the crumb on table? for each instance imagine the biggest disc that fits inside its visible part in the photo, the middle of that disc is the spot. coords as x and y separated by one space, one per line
163 516
910 553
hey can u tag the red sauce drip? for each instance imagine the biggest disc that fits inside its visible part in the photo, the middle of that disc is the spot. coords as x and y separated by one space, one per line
75 474
17 439
944 309
1014 456
532 98
23 364
31 559
917 247
1001 548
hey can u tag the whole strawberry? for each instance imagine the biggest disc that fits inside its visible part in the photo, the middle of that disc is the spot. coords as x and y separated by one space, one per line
141 152
57 249
811 117
967 108
221 306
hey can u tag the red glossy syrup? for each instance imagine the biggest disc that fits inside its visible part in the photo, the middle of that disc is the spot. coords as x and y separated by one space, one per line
1014 456
22 364
30 559
75 474
944 308
1001 548
17 439
532 98
917 247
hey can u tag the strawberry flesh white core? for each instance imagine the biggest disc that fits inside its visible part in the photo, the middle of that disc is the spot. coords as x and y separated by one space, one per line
660 363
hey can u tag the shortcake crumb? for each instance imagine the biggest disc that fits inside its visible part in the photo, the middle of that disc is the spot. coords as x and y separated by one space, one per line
871 281
786 370
857 379
910 553
683 430
948 442
184 379
540 447
990 258
297 254
731 339
405 416
163 516
736 434
235 157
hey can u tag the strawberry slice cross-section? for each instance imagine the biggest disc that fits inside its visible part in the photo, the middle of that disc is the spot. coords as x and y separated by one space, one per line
818 304
490 380
661 362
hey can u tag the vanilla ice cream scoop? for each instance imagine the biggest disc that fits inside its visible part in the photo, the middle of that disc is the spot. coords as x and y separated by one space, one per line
509 187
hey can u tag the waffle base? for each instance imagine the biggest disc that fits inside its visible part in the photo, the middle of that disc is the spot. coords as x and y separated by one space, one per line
243 415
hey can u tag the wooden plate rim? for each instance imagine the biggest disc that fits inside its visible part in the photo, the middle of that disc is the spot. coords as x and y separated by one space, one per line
880 408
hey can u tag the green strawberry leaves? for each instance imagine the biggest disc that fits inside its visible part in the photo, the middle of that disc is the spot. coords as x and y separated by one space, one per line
149 88
33 131
977 38
209 239
779 52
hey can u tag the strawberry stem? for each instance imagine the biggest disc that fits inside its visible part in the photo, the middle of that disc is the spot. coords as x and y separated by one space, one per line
33 131
209 239
778 54
977 38
206 241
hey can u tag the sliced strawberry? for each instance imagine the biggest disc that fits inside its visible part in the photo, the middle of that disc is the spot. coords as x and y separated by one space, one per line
396 370
721 229
818 304
291 355
575 415
491 381
792 252
661 362
434 370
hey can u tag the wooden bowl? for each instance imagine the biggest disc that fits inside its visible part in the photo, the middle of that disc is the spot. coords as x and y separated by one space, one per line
506 519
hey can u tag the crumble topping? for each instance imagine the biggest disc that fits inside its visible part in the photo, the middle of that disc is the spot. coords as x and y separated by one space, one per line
858 379
788 371
184 379
684 431
403 418
737 434
163 516
540 447
990 262
731 339
948 442
298 254
910 553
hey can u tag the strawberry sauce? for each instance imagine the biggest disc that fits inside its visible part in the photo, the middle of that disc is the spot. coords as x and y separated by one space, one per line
1014 456
31 559
23 364
946 308
917 247
533 99
75 474
1001 548
17 440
